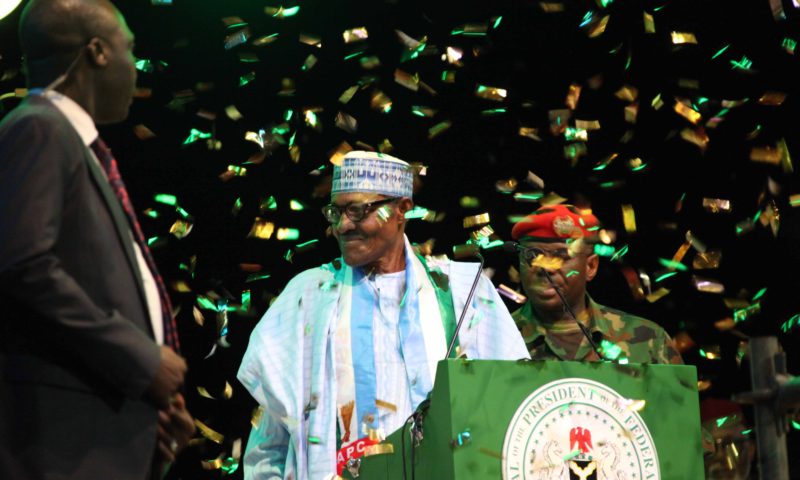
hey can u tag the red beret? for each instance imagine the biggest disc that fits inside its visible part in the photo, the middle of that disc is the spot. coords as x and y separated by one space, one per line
557 223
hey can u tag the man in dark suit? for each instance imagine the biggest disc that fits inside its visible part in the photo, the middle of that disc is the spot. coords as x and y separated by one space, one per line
86 391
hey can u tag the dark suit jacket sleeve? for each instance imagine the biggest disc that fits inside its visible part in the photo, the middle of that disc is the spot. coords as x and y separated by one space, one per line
37 167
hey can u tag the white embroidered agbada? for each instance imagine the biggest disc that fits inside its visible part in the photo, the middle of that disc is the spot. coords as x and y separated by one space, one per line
290 366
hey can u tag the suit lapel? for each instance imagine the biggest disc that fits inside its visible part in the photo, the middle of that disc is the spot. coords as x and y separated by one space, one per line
121 223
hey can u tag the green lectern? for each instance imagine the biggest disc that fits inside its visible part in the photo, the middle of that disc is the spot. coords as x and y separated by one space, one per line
533 420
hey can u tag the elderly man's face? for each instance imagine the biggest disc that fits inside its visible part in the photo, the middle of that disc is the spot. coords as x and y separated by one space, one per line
570 269
367 241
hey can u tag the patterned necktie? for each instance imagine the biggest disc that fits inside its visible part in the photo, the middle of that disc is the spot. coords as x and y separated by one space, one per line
110 166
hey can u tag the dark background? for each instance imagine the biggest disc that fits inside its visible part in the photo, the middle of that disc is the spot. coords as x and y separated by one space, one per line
534 54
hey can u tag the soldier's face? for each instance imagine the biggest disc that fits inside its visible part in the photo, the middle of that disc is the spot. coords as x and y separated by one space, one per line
569 268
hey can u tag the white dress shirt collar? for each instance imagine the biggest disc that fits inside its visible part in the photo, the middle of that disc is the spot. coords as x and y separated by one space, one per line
76 115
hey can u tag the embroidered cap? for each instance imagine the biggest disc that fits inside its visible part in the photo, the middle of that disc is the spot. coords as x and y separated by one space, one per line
556 223
371 172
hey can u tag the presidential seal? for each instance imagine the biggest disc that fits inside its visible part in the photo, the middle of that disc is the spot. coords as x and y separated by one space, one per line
576 428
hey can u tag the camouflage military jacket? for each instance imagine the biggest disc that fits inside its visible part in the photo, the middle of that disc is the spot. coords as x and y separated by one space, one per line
618 334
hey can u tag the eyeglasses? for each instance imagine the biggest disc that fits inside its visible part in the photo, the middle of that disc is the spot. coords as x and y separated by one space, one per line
354 211
528 254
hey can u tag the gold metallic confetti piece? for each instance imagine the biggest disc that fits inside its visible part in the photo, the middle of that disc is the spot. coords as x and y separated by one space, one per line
215 464
573 95
631 112
208 432
262 229
725 324
255 417
469 202
309 63
765 155
407 80
630 404
181 228
380 101
711 352
438 129
386 405
657 295
707 260
453 56
491 93
597 27
355 34
385 146
649 23
703 385
337 156
627 93
311 40
507 185
534 180
717 205
281 12
680 38
228 392
142 132
547 262
587 124
484 232
706 285
233 113
695 242
629 218
346 122
530 132
683 342
773 99
264 40
476 220
690 83
696 136
379 449
204 393
552 198
551 7
687 112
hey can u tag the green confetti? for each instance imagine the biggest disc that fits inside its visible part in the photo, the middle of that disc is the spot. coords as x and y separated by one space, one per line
791 323
205 303
610 350
744 64
720 51
621 253
759 294
604 250
673 265
166 199
296 205
665 276
572 273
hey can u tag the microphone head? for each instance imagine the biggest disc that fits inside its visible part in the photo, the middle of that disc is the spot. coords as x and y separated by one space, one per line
511 247
465 250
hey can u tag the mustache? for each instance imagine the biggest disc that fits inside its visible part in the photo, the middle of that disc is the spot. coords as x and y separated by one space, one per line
344 237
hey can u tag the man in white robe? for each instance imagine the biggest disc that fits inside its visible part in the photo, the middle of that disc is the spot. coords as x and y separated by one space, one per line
349 349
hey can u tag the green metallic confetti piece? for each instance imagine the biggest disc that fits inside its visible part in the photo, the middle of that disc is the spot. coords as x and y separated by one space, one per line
665 276
673 265
604 250
793 322
759 294
296 205
621 253
166 199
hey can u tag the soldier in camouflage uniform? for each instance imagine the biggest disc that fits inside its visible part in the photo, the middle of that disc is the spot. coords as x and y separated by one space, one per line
561 240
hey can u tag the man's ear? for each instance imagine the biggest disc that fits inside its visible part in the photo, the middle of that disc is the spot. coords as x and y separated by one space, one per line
405 205
592 264
98 52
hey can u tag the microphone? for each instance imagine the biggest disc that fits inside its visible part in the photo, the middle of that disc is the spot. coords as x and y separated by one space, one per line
464 251
515 247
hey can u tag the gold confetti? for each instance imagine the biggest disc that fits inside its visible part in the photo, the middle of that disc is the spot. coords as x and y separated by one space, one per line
551 7
687 112
707 260
657 295
407 80
233 113
534 180
228 392
573 95
337 156
255 417
204 393
681 253
198 316
725 324
491 93
552 199
627 93
380 101
587 124
370 63
507 185
629 218
476 220
311 40
696 136
717 205
181 228
631 404
597 27
649 23
348 94
262 229
707 285
530 132
772 99
379 449
453 56
547 262
208 432
346 122
438 129
142 132
679 38
449 76
386 405
309 63
695 242
355 34
215 464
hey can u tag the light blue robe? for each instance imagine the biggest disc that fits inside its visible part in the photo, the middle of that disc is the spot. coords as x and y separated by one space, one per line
289 366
